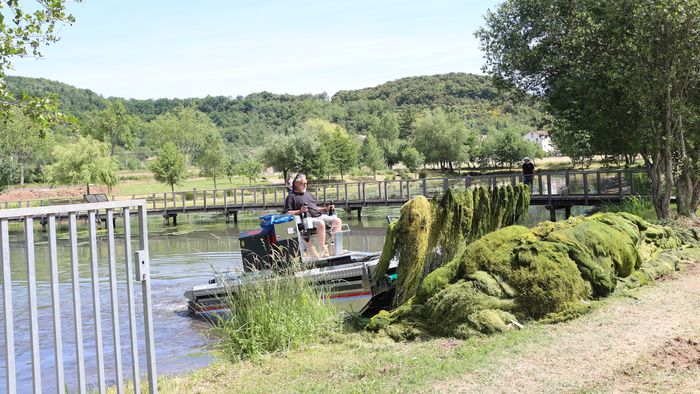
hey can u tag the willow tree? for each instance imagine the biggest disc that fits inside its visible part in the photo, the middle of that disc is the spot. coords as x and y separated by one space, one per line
624 73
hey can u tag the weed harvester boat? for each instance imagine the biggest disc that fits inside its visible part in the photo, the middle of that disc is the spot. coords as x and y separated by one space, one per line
285 241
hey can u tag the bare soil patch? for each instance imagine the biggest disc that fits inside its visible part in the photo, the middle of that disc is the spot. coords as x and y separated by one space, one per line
648 342
38 193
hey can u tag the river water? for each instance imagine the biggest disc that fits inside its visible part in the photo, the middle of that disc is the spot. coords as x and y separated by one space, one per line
181 257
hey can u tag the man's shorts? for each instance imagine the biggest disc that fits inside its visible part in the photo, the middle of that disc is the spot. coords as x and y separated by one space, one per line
326 219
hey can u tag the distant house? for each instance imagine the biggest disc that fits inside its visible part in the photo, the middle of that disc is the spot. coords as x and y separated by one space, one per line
541 138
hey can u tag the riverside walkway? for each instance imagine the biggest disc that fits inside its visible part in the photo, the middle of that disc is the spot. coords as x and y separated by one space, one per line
554 190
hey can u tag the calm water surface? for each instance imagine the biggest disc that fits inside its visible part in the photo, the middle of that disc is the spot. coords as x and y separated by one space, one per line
181 257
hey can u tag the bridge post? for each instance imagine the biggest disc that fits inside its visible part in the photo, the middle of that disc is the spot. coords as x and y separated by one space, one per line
400 190
226 199
346 195
567 181
467 182
165 200
597 180
204 198
445 185
325 198
255 196
567 211
153 200
386 192
513 180
215 191
184 202
539 183
585 188
552 214
263 197
194 197
364 192
425 189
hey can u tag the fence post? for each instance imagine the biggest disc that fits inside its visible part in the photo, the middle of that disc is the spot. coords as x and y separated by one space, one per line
445 185
619 184
631 176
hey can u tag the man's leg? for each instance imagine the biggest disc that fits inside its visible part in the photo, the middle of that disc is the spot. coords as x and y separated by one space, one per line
321 235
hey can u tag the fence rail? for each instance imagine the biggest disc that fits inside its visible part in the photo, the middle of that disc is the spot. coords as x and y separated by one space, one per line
600 184
126 298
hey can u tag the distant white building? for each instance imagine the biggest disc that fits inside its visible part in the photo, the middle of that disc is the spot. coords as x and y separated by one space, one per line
541 138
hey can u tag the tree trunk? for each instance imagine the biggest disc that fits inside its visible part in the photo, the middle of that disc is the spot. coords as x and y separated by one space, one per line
88 188
214 182
21 174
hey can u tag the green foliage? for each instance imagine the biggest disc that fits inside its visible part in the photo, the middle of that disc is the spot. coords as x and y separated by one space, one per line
25 141
387 133
112 125
211 158
8 171
84 162
24 30
508 146
412 159
170 167
617 77
373 156
274 314
250 169
442 138
187 128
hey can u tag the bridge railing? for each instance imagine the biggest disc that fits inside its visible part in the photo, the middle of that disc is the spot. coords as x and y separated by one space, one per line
572 183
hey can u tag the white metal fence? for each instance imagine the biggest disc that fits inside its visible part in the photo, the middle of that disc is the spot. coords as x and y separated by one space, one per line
64 367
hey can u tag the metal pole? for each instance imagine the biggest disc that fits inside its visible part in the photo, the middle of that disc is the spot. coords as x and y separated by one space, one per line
7 307
116 337
77 307
33 318
147 304
56 303
130 298
96 301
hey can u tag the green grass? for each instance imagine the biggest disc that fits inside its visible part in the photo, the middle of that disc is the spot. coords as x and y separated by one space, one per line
635 205
275 313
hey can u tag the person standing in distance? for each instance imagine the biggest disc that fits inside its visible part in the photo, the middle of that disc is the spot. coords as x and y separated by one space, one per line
528 172
300 201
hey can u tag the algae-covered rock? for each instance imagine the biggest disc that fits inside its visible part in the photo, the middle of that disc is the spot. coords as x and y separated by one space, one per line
411 235
545 273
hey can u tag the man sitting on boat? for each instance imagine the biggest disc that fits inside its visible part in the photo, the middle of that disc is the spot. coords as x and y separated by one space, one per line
299 201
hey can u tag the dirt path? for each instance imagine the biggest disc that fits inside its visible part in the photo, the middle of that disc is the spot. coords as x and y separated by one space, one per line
646 343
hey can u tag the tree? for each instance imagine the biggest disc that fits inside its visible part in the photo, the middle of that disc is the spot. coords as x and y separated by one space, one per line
187 128
113 125
443 139
250 169
85 162
25 29
342 149
281 154
373 155
387 133
170 167
8 171
411 158
24 139
212 158
508 146
625 72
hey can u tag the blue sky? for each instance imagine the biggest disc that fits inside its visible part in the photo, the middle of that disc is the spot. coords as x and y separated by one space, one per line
154 49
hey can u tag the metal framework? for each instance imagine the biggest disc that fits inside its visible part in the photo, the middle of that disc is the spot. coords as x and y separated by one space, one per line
132 274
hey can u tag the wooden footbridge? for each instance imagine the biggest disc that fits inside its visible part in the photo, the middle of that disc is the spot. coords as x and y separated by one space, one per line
554 190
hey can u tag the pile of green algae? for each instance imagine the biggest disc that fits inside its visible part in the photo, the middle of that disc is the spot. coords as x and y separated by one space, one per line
515 273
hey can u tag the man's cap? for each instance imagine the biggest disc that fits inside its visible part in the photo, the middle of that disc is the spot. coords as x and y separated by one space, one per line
526 159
